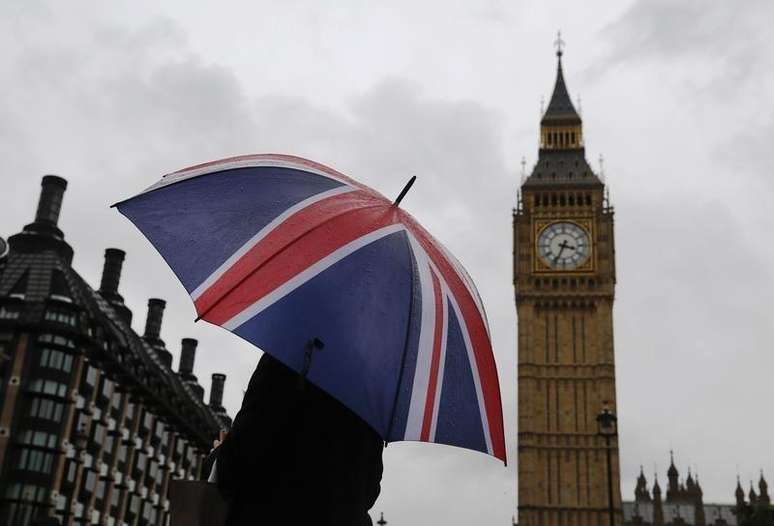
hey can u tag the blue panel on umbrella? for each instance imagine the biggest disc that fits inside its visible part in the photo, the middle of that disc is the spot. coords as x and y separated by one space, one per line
397 430
198 223
459 418
364 337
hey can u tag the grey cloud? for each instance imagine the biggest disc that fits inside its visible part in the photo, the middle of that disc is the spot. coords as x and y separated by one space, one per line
725 41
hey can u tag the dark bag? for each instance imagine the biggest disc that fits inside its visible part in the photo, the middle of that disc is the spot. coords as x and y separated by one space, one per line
196 503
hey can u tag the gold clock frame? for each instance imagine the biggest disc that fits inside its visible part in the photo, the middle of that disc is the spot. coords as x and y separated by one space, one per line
539 225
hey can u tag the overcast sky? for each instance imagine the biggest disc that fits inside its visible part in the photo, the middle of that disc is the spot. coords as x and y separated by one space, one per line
675 95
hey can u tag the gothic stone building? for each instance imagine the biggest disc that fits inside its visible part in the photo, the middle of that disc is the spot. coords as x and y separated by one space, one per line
93 420
564 278
684 504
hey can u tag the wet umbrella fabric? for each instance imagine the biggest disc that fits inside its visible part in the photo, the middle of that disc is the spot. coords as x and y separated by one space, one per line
281 250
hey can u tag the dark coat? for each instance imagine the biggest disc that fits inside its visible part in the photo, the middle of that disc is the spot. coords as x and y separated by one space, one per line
295 455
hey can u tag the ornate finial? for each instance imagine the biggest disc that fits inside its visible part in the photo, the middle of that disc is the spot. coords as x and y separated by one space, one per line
559 44
542 106
523 166
580 108
602 175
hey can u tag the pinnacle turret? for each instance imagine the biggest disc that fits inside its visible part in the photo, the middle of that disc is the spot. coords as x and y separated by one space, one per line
739 493
656 488
763 488
751 495
641 493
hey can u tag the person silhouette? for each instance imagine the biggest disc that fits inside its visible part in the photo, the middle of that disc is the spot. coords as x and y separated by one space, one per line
295 455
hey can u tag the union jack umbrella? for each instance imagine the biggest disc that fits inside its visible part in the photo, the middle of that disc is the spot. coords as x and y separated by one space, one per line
282 250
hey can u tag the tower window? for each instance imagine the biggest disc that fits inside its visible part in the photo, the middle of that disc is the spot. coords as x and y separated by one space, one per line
561 200
588 199
553 196
572 137
572 197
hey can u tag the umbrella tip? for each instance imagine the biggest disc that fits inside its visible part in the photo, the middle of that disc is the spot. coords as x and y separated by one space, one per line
405 190
197 319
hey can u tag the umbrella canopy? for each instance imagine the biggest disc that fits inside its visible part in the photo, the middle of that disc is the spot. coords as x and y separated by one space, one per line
282 250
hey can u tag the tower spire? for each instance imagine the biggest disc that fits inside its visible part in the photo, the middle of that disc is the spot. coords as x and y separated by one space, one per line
560 107
560 126
561 156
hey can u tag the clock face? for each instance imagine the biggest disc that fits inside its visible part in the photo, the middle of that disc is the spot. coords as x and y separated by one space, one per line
564 246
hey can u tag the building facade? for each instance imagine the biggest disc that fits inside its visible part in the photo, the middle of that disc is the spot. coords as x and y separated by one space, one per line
94 421
564 279
683 503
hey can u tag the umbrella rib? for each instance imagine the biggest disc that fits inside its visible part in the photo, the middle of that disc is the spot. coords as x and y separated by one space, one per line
277 253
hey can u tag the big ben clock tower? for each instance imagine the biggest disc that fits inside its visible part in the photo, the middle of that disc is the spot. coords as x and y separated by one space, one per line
564 277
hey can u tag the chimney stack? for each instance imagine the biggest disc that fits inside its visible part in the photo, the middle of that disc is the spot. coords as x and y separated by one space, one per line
111 274
216 390
187 355
153 321
49 206
198 390
50 203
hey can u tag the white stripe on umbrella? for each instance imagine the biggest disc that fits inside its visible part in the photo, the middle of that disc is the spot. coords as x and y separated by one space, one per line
262 233
442 358
256 161
474 370
425 346
309 273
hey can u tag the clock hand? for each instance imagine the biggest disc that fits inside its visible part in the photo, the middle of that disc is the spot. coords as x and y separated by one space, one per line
561 249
